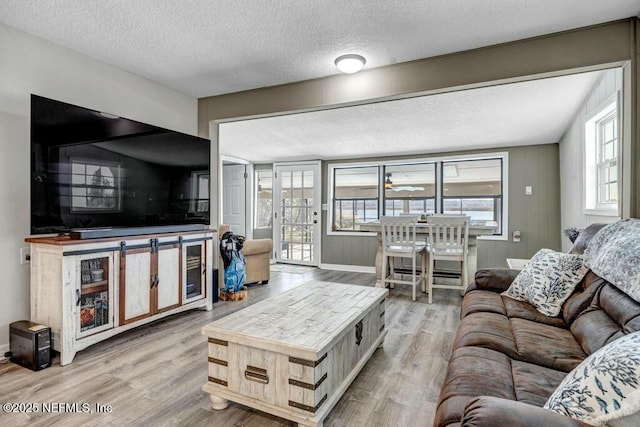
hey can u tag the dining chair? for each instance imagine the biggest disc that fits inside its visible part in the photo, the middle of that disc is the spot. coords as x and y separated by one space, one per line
399 241
448 241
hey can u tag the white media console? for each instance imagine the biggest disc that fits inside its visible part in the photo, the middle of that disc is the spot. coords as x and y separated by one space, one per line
91 289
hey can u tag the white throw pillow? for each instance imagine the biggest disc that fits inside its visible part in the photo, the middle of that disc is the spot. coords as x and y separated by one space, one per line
604 387
547 280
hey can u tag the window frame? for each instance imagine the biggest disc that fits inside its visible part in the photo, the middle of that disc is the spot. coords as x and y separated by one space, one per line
195 190
385 167
353 200
438 160
496 199
593 163
117 178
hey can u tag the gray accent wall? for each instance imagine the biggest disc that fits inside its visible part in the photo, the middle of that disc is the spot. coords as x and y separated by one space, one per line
537 216
33 65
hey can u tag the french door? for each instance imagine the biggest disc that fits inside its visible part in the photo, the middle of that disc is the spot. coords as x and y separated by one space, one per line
297 213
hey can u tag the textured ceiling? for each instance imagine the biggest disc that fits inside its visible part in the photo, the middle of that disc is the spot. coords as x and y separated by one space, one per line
208 47
533 112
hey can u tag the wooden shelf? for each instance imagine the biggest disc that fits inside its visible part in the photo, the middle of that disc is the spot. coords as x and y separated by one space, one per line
193 263
101 286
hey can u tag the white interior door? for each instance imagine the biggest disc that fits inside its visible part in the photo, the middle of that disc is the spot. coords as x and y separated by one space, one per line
234 198
297 213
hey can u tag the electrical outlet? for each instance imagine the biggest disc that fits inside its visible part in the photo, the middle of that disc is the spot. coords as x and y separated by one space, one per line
528 190
25 255
516 236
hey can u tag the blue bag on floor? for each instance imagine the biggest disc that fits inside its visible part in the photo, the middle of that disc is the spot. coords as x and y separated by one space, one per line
235 273
234 261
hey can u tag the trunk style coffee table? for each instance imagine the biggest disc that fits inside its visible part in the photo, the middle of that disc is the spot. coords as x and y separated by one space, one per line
294 355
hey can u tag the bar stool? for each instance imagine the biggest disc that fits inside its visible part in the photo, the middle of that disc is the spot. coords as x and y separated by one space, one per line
399 240
448 241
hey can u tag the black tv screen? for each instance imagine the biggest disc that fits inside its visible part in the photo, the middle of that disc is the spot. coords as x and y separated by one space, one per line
91 169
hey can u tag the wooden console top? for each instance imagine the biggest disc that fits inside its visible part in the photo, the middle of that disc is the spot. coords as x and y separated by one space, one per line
66 240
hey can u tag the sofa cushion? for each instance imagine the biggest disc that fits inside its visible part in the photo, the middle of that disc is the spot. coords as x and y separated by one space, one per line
610 315
604 387
475 371
485 411
581 297
493 279
524 310
547 280
480 301
471 372
521 339
534 384
487 330
545 345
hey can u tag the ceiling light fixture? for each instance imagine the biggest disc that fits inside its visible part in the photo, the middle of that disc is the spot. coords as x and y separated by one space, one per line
350 63
388 184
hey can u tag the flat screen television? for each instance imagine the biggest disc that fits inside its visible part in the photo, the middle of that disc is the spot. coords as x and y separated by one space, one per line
92 170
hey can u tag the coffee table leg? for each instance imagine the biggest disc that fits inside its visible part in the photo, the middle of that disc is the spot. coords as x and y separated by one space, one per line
218 403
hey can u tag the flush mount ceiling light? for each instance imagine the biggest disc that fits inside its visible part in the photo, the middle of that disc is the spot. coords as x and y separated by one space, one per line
350 63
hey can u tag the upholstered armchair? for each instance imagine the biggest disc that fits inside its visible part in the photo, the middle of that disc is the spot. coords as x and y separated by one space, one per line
258 255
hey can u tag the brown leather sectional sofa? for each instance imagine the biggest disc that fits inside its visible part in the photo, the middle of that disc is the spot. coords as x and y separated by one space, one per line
508 358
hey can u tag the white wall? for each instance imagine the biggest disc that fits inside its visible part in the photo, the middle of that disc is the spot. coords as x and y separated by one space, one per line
572 157
32 65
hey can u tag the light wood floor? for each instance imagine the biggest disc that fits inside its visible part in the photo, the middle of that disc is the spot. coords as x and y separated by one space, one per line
151 376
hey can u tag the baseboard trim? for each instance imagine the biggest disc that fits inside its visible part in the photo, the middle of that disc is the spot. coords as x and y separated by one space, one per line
345 267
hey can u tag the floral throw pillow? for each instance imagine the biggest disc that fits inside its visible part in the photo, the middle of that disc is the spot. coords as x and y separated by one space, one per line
604 387
572 233
547 280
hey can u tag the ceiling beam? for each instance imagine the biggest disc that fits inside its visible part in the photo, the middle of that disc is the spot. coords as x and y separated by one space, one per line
576 49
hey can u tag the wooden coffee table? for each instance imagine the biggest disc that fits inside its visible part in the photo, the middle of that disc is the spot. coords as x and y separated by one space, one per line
294 355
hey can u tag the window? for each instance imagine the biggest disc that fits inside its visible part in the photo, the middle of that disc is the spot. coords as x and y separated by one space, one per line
264 198
608 161
95 186
602 147
473 188
410 189
355 197
471 185
200 191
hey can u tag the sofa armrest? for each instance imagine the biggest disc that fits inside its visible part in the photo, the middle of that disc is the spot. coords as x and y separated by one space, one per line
494 411
257 247
493 279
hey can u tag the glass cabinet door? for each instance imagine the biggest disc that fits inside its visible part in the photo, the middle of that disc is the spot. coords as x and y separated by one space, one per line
194 272
94 299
